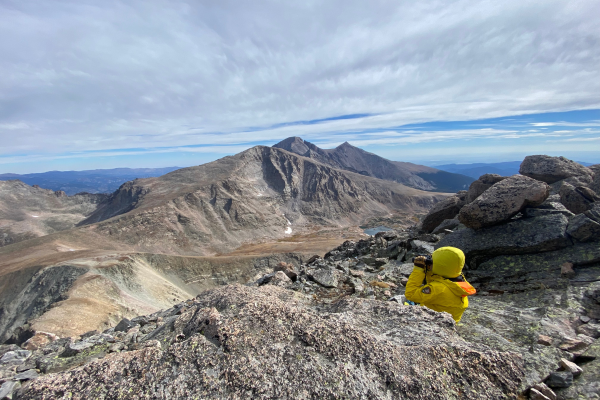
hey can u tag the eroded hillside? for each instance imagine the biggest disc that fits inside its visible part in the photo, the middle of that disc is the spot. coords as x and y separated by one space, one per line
27 211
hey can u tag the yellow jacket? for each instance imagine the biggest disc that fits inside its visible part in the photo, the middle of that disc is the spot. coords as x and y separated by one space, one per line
439 294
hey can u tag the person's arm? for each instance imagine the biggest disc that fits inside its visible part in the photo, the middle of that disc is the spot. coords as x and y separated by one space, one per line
414 286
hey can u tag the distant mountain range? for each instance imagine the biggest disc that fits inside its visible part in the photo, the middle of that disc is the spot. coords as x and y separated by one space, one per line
475 170
90 181
345 156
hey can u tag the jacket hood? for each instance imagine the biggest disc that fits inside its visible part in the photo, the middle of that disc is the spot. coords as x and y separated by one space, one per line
448 261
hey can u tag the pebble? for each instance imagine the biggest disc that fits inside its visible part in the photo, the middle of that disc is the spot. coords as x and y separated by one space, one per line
545 390
571 367
544 340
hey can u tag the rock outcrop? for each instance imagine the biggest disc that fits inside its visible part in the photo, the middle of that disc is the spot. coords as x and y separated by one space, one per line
445 209
267 342
503 200
553 169
282 338
481 185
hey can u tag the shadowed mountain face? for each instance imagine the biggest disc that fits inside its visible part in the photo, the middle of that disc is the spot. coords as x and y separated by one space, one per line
351 158
262 193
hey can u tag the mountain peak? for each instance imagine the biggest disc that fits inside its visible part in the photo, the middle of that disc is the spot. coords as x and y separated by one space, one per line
345 145
293 144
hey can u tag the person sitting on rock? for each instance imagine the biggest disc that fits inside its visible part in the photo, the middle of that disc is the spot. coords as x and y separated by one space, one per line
441 286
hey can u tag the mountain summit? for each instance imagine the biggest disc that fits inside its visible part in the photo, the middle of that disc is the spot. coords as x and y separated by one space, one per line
354 159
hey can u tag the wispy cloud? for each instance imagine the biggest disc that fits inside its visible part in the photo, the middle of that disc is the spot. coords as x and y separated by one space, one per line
80 76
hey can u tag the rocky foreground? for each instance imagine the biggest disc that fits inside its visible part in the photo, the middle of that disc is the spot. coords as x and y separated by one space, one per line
331 328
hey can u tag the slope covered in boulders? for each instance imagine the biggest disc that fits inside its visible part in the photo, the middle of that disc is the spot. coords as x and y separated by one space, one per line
332 327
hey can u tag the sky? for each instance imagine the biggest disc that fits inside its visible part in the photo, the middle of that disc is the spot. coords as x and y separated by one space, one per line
152 83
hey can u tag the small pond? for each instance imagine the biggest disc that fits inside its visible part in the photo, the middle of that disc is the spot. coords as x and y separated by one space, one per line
373 231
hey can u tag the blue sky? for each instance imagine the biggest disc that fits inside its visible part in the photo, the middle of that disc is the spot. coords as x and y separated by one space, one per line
154 83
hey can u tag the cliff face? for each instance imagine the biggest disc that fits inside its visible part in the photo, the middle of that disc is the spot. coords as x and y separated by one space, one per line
262 193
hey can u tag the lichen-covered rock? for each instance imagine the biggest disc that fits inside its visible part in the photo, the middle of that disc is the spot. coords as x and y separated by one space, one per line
445 209
243 342
502 201
573 198
522 236
551 169
527 272
481 185
583 228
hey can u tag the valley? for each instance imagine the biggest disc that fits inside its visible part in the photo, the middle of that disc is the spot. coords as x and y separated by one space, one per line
272 225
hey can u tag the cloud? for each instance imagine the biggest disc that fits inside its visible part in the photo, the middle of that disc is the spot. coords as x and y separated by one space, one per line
90 75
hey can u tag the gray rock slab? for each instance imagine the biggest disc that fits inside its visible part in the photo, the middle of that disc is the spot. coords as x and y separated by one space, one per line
449 224
75 348
26 375
445 209
324 277
547 208
551 169
8 388
583 228
560 379
421 247
5 348
522 236
15 356
528 271
124 325
573 198
502 201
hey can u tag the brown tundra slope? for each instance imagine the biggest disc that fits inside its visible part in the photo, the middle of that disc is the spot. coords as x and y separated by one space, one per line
28 211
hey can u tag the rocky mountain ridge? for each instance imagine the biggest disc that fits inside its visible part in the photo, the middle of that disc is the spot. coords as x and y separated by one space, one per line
354 159
260 194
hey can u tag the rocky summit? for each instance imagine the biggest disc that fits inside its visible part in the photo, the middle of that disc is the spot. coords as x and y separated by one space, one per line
336 326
